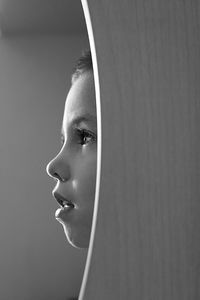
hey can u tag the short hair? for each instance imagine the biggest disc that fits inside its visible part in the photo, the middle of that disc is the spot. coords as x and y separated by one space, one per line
83 64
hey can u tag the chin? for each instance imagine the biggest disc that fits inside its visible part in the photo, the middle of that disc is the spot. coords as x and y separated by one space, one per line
79 241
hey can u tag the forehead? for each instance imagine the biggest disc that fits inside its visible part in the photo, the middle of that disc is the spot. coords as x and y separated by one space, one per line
81 98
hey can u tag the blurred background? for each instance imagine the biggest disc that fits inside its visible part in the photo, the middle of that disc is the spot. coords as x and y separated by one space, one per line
39 44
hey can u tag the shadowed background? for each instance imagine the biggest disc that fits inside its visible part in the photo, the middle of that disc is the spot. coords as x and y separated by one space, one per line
40 42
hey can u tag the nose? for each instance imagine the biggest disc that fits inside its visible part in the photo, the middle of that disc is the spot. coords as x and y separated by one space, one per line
58 169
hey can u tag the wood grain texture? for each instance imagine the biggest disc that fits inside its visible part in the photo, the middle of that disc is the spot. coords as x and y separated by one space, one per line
147 240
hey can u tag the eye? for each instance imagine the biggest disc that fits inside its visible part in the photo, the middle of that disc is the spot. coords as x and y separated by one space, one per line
86 136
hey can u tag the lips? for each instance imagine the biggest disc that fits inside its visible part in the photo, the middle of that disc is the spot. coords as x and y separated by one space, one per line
63 202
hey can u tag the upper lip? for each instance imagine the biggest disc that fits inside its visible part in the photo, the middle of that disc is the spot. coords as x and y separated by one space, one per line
61 200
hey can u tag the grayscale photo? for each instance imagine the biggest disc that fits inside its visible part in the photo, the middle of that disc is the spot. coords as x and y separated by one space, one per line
100 150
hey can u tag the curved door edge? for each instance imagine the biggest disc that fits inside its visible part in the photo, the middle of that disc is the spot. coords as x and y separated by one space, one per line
99 142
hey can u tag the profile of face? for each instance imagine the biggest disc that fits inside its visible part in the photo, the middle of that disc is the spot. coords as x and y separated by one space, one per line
74 167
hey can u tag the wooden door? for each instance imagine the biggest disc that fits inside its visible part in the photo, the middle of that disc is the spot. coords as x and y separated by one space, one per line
145 243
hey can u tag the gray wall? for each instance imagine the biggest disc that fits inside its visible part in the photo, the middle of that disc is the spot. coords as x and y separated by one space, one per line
36 262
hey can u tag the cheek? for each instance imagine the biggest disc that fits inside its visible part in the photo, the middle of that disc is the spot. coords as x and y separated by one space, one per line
85 177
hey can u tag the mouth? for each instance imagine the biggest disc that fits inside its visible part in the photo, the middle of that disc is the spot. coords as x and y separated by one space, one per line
63 202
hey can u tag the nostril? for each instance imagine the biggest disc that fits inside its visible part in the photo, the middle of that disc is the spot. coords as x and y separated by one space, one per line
57 176
57 170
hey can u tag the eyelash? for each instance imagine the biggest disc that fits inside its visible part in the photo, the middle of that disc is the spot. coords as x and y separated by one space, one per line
83 133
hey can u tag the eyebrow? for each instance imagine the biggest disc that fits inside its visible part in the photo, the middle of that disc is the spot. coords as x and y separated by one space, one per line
81 118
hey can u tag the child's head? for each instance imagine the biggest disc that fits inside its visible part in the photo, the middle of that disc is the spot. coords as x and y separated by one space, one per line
74 167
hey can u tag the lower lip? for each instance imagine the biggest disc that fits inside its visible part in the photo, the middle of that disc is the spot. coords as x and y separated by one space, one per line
62 212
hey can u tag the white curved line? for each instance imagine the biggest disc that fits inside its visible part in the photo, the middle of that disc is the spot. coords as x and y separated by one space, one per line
99 143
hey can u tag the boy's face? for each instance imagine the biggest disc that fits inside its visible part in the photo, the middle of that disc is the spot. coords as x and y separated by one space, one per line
74 167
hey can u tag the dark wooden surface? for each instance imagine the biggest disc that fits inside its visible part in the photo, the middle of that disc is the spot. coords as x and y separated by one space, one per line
147 238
